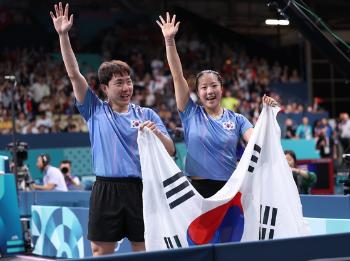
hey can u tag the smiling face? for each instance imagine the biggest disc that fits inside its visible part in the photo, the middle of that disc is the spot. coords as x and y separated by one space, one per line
119 90
209 90
116 83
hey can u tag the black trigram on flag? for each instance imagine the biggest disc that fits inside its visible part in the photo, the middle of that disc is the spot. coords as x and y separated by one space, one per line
254 158
268 222
171 244
179 189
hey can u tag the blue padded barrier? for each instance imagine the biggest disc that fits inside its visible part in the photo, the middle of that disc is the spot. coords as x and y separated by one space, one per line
304 248
51 198
322 206
318 206
198 253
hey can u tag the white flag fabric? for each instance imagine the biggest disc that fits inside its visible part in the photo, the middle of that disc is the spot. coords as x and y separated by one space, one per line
260 201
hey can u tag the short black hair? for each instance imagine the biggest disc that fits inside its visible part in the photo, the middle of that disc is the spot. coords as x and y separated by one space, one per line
292 154
66 162
110 68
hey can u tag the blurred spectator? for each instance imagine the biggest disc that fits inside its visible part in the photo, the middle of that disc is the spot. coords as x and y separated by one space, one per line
39 90
329 129
21 122
45 105
304 179
176 133
42 129
56 127
30 128
290 130
5 122
72 127
5 95
294 77
344 131
229 102
304 130
44 120
276 72
325 145
318 128
284 76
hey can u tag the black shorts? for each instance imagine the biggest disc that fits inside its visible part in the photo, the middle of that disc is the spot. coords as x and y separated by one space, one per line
207 187
116 210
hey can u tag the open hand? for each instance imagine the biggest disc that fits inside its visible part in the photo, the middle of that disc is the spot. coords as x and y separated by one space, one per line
169 27
60 20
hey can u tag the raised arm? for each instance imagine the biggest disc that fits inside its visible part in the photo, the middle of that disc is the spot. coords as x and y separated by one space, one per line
169 30
62 25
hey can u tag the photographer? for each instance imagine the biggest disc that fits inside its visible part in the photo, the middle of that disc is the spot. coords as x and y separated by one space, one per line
72 182
53 178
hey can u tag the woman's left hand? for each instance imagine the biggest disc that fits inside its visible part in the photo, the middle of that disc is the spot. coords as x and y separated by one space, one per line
269 101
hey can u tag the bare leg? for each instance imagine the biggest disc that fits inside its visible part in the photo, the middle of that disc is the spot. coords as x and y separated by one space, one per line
137 246
102 248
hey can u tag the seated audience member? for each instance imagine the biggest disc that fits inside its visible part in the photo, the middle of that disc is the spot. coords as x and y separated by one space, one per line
304 179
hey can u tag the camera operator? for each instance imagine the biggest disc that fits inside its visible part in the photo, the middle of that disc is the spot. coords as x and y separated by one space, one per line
53 178
72 182
24 179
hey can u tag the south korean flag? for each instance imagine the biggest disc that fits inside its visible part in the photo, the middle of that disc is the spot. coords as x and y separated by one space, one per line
260 201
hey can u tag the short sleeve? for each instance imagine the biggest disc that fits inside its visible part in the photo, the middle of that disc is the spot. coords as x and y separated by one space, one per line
243 124
89 105
189 110
52 177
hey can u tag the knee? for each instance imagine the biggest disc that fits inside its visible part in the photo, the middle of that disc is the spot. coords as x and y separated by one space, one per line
102 248
95 251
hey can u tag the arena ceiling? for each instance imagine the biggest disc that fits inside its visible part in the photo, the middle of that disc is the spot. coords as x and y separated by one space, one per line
246 17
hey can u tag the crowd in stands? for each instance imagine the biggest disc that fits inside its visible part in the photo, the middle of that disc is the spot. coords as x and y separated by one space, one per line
44 101
332 137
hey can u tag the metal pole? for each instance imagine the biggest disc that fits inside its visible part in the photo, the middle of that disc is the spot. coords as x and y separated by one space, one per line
14 142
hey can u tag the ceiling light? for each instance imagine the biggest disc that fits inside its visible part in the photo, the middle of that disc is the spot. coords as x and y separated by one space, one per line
276 22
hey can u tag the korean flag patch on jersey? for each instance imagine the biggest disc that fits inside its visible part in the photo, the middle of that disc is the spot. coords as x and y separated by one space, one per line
228 125
135 124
